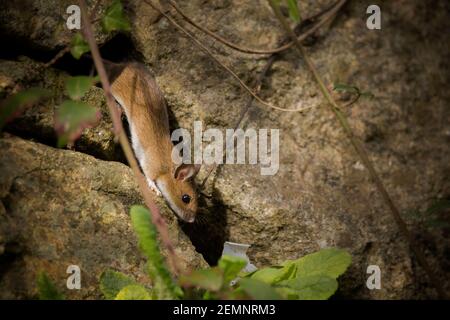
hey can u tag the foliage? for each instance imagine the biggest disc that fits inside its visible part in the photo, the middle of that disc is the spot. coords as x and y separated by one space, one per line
112 282
78 46
134 292
231 266
312 277
342 87
163 285
114 18
292 8
16 104
258 290
77 86
46 288
72 118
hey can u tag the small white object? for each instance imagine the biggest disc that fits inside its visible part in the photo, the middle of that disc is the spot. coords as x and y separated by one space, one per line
238 250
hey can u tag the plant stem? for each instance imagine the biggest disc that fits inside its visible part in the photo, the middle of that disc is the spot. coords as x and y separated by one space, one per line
210 54
156 217
327 15
362 153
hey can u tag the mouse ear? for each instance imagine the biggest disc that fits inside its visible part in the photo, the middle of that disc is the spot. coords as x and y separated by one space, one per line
186 171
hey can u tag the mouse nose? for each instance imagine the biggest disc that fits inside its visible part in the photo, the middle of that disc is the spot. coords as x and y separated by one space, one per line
189 216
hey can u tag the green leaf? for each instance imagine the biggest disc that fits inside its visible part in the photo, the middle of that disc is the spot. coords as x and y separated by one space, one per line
76 87
273 275
164 287
111 282
293 10
318 287
133 292
367 94
209 279
78 46
72 118
46 288
330 262
17 103
342 87
114 18
258 290
231 266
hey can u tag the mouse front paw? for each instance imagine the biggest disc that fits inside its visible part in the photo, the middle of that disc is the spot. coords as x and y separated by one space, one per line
154 188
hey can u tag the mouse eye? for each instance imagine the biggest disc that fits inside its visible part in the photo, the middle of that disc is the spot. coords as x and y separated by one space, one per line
186 198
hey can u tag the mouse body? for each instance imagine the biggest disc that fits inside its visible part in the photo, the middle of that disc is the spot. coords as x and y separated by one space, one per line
143 103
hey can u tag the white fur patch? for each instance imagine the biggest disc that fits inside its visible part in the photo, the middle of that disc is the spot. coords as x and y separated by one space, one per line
139 152
152 185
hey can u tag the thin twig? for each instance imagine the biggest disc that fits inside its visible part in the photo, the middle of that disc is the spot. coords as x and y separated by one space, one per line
57 56
362 153
325 15
156 217
66 49
260 78
258 84
205 49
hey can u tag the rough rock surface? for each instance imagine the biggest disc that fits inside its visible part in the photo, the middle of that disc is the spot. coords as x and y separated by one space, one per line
38 121
61 208
322 195
39 25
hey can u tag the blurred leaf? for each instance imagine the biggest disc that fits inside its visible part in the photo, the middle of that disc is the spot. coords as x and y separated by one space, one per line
231 266
342 87
14 105
258 290
318 287
46 288
78 46
273 275
76 87
209 279
330 262
114 18
72 118
164 287
293 10
133 292
111 282
367 94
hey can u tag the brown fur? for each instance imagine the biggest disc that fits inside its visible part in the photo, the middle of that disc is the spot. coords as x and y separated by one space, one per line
146 111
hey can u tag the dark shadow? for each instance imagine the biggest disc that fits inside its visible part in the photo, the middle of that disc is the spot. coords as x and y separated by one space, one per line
209 232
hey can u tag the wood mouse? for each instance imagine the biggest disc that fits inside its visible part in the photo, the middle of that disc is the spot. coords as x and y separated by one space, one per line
137 93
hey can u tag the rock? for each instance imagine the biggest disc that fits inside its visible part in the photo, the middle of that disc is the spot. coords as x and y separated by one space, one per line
40 26
38 121
321 196
61 208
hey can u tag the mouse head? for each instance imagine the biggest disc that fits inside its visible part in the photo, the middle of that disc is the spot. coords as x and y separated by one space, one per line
177 189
